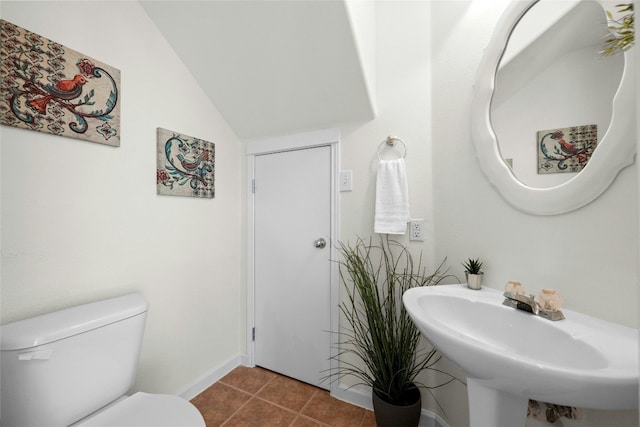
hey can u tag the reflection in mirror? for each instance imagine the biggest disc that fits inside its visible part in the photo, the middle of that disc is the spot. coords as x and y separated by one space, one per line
616 148
553 79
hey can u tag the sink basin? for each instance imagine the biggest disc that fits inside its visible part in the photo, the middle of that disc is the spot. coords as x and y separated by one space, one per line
510 356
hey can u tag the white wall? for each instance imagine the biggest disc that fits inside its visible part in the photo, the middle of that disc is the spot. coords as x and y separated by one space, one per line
362 20
403 93
82 221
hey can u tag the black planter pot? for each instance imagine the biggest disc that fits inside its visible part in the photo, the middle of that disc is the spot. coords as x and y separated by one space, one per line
390 415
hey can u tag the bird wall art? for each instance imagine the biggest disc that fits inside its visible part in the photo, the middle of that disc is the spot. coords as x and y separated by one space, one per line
566 149
50 88
186 165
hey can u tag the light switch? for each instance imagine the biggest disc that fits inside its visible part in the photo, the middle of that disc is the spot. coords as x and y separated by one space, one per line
346 180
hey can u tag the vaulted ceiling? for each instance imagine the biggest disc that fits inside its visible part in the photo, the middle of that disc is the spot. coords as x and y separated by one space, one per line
270 67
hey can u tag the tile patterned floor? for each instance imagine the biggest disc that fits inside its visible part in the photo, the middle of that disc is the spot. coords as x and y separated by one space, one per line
258 397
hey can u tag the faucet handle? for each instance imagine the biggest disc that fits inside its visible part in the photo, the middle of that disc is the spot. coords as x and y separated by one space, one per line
549 300
514 287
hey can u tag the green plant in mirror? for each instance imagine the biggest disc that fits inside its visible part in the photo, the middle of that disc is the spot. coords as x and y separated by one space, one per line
380 334
622 30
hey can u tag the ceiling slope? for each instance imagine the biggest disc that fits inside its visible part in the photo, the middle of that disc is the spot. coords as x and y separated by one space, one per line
270 67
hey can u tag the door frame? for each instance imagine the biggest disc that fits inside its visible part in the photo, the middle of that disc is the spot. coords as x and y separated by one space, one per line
320 138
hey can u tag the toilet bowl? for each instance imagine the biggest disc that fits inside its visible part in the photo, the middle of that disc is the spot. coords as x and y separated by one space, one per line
146 410
74 367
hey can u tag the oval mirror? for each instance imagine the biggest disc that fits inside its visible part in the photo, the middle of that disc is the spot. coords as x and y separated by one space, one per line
522 110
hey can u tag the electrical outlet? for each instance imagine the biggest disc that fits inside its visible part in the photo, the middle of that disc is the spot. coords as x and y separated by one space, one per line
415 230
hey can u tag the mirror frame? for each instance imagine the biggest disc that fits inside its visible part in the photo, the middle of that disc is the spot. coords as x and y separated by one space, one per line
616 150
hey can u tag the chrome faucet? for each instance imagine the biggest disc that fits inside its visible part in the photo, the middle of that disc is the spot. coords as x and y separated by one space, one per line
521 302
528 303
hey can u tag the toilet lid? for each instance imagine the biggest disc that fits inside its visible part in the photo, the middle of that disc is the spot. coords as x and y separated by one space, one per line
148 410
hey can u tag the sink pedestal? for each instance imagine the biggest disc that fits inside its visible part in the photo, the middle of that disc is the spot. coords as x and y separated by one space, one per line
489 407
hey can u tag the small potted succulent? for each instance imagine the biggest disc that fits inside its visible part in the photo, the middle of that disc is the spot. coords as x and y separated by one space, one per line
473 272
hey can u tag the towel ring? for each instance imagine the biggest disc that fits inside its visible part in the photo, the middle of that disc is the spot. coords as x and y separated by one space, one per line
391 141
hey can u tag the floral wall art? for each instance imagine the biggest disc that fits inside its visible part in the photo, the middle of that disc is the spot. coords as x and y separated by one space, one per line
566 149
186 165
50 88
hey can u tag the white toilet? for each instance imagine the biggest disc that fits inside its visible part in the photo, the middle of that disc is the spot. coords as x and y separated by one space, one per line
74 366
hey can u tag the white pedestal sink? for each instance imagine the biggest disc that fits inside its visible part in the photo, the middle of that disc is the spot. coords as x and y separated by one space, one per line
510 356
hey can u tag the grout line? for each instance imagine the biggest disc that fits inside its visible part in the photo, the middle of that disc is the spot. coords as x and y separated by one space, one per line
297 414
277 405
264 386
305 417
245 391
238 389
364 415
309 402
236 411
254 396
251 396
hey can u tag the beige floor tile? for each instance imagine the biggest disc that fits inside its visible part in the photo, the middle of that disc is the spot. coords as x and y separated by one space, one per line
218 403
257 397
259 413
246 379
287 392
369 419
302 421
336 413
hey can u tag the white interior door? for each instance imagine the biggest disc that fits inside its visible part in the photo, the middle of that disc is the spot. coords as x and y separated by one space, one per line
292 219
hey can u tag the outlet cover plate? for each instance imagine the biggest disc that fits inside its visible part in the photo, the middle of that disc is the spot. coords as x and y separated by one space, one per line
416 227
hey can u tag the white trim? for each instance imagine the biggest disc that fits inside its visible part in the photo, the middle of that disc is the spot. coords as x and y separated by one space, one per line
250 263
214 375
431 419
359 397
293 142
333 254
353 395
325 137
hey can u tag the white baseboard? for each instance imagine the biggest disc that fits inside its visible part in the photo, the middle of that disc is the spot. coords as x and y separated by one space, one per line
206 380
353 395
362 398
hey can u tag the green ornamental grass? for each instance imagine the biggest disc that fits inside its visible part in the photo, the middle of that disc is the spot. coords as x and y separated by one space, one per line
380 332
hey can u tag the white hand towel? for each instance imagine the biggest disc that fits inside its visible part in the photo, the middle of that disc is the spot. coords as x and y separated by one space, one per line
392 198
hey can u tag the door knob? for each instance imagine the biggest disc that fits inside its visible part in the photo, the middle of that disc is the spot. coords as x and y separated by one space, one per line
320 243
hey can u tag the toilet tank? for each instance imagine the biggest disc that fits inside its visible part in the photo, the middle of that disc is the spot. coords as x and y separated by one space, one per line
59 367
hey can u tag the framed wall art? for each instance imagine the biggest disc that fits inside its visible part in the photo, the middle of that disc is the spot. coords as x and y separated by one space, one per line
48 87
566 149
185 165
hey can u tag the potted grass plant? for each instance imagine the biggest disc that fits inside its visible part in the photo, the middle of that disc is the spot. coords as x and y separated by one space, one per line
379 333
473 272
